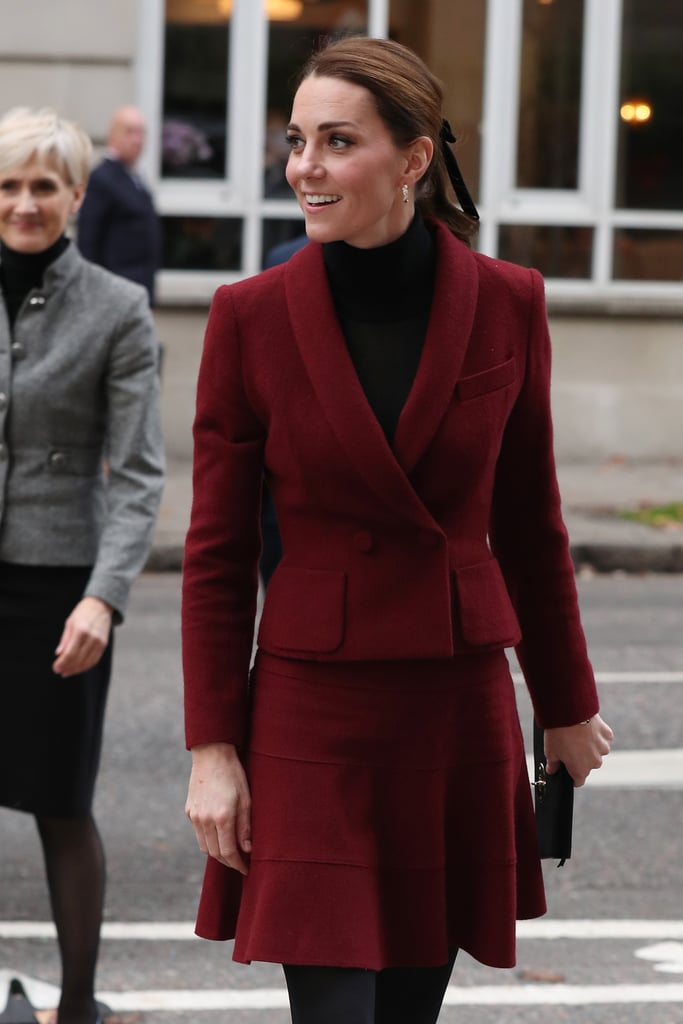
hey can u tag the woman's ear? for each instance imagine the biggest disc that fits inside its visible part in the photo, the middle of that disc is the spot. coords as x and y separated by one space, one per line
78 197
419 157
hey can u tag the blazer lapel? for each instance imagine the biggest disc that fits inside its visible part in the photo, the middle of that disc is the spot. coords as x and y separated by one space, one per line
335 381
448 335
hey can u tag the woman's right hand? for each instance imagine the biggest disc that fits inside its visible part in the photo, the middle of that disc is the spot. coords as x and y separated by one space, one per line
219 804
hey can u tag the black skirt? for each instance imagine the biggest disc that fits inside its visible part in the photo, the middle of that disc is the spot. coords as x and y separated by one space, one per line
50 727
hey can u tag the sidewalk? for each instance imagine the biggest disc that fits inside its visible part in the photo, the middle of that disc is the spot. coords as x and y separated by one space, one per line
590 494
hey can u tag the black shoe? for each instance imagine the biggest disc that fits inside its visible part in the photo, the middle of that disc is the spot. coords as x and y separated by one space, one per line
18 1009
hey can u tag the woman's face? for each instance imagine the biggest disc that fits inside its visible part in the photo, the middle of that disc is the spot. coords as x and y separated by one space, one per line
35 206
344 166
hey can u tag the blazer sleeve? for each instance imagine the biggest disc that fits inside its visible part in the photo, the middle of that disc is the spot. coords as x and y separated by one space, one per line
135 458
220 575
530 540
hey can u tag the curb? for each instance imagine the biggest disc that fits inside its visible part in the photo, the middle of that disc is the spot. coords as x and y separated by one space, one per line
165 558
628 558
601 557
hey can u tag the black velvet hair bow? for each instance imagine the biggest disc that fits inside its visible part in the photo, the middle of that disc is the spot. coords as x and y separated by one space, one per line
454 173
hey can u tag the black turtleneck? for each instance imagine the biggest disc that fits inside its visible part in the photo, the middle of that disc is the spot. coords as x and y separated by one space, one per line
383 298
20 272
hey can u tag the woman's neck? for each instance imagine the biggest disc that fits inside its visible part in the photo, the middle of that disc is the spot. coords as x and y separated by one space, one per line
21 272
388 282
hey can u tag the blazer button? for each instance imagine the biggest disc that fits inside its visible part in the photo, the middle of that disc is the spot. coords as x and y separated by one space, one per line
364 540
57 460
428 540
17 349
37 301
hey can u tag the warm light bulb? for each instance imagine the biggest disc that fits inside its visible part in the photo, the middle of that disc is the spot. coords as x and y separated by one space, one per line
276 10
635 111
283 10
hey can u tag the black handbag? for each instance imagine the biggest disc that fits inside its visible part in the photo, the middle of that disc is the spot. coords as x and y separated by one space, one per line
554 804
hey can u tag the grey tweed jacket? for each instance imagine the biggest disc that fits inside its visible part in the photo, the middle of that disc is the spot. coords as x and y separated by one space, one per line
81 451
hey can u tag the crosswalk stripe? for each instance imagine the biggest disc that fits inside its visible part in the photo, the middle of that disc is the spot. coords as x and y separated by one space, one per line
484 995
649 678
637 769
543 928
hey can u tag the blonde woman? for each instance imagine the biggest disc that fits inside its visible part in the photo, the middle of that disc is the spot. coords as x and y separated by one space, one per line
78 386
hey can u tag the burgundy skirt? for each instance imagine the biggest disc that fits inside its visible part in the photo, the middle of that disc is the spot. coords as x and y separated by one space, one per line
392 817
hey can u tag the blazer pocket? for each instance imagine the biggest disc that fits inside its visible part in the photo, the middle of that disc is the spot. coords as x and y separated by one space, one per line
487 617
304 611
493 379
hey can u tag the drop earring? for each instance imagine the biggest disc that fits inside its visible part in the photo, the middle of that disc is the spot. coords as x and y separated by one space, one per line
404 192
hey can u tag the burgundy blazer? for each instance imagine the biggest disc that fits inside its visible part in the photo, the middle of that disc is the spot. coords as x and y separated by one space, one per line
450 540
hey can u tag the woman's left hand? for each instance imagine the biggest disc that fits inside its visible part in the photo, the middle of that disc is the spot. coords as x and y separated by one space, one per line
85 636
580 748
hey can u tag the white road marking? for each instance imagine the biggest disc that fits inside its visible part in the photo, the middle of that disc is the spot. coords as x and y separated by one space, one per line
649 678
484 995
666 956
543 928
637 769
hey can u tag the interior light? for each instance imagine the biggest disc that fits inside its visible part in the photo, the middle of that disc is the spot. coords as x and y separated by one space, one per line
284 10
635 111
276 10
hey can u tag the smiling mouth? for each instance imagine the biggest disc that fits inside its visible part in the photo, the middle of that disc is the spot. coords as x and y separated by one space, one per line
315 199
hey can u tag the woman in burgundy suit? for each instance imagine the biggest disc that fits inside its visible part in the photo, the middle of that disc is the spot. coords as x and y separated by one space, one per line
362 793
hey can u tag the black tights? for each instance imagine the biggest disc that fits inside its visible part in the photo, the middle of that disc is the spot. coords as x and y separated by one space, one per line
349 995
75 868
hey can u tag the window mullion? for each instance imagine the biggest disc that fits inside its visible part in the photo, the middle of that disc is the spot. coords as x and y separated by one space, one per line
378 18
501 97
148 78
604 55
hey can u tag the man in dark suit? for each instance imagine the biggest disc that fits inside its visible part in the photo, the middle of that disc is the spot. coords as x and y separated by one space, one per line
118 226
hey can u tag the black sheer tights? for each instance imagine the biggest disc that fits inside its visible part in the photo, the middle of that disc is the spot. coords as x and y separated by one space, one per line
75 868
348 995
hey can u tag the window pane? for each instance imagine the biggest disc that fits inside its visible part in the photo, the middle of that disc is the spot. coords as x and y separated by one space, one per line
650 154
550 94
195 94
294 31
202 243
450 39
557 251
648 255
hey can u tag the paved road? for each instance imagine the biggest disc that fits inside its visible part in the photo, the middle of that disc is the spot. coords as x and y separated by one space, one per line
611 949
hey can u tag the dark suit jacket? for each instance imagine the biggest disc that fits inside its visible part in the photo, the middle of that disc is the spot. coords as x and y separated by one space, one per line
118 226
450 541
282 252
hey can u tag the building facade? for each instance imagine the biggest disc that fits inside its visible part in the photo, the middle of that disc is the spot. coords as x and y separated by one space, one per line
570 135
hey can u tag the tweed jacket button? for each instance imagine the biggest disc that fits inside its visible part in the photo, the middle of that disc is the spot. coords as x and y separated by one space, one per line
364 541
57 460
